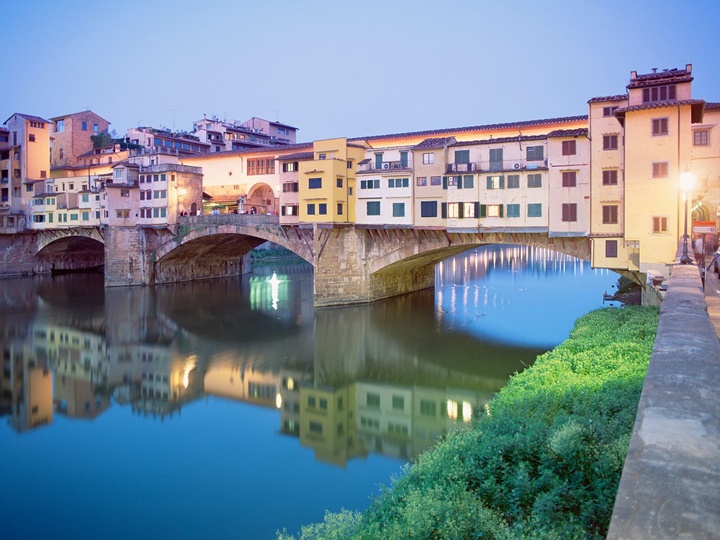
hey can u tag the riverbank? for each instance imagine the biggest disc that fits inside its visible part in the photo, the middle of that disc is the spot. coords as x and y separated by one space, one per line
545 462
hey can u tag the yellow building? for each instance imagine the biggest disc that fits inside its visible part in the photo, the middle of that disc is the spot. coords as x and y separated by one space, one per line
642 143
327 182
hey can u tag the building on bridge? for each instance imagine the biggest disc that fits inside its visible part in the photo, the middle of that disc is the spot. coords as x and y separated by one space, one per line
229 135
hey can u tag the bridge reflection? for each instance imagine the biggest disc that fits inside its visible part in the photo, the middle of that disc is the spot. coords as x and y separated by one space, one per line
347 381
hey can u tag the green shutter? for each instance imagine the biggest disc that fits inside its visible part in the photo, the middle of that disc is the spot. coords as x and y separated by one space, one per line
483 210
443 210
502 181
489 182
444 182
468 181
461 210
502 206
459 181
477 209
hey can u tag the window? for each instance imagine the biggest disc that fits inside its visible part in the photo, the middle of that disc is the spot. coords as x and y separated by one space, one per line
513 181
428 209
569 212
660 169
314 183
495 182
454 210
534 210
610 142
610 177
311 209
435 180
398 182
31 137
398 403
322 156
494 210
124 192
611 249
339 182
316 427
609 111
569 148
85 215
290 167
451 181
339 209
659 93
122 213
428 408
84 126
660 126
290 187
421 181
323 404
428 158
95 128
660 224
349 164
290 210
462 156
59 126
373 208
700 137
534 153
610 214
403 159
468 181
373 401
535 180
398 209
369 184
469 209
569 178
513 210
322 209
260 166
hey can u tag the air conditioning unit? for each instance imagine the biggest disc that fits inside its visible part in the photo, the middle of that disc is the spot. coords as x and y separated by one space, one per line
516 165
386 166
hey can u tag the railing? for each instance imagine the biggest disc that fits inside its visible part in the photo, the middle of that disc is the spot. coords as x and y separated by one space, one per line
498 166
385 166
230 219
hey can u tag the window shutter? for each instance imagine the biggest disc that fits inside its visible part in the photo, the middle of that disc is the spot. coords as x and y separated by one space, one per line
284 167
459 181
477 209
501 210
483 210
502 183
443 210
461 210
489 182
444 182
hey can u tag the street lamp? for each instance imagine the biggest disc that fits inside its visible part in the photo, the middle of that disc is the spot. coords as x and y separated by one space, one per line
687 182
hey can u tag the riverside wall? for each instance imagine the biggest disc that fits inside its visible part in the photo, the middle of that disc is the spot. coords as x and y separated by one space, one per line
670 485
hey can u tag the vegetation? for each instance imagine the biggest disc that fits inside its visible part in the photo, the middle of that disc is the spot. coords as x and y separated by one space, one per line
260 256
545 462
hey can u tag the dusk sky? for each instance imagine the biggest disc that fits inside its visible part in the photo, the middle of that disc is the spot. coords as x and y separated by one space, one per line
336 69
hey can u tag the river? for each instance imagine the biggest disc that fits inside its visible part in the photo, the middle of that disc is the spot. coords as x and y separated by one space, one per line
232 409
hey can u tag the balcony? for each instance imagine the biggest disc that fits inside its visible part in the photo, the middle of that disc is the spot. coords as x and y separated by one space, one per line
384 167
507 165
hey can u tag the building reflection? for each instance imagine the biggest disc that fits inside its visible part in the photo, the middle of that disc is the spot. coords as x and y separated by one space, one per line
380 378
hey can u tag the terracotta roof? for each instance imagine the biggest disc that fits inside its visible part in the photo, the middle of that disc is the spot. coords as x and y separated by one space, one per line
673 75
658 105
486 127
579 132
709 105
619 97
243 151
435 142
283 125
297 155
501 140
29 117
77 113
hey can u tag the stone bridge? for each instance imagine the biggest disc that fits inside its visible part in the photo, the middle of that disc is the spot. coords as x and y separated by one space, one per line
352 263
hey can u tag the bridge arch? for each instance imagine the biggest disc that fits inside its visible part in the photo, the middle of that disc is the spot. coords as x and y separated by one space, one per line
65 250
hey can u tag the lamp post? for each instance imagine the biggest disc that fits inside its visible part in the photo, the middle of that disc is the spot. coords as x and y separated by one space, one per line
687 182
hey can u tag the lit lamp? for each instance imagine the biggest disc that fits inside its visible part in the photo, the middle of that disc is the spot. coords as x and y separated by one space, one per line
687 182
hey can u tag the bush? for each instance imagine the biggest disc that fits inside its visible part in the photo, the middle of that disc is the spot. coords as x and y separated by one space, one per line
546 460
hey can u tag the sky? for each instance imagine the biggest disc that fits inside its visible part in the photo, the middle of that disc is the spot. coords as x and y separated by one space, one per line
342 68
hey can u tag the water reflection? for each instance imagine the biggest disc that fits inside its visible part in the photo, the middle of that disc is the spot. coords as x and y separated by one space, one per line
385 378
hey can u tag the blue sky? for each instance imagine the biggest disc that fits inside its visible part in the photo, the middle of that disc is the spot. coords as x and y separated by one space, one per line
344 68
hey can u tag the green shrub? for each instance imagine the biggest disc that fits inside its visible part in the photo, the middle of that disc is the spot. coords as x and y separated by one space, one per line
544 463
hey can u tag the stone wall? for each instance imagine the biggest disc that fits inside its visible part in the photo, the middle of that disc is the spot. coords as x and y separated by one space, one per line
670 485
17 254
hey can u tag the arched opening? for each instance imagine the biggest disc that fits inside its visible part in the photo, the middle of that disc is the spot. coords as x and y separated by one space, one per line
261 199
71 254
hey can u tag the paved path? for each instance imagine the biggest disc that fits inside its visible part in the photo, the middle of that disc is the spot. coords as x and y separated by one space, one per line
712 297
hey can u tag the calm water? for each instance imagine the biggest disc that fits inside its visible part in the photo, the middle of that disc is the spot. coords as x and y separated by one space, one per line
231 409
